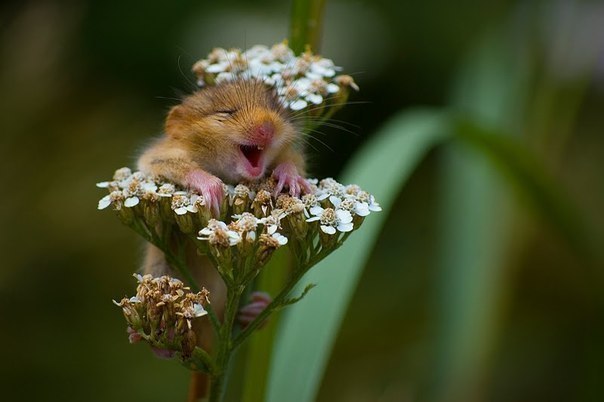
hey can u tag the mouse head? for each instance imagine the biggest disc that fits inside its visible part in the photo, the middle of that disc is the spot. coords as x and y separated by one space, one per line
234 129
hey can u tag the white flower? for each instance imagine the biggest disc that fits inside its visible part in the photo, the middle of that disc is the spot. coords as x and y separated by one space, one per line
331 187
273 221
331 219
166 190
364 196
351 205
122 174
217 68
245 225
373 206
323 67
180 202
149 187
218 233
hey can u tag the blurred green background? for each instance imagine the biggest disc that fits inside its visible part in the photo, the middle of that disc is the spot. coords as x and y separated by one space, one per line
486 282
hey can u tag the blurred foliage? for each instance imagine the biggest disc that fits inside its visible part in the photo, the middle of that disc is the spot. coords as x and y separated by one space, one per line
474 292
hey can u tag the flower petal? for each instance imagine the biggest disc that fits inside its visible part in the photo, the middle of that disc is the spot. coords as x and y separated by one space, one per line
181 211
198 310
131 202
336 201
316 210
328 229
345 227
362 209
343 216
104 202
298 104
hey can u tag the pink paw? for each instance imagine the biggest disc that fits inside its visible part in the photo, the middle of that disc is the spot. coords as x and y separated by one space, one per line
249 313
287 175
209 186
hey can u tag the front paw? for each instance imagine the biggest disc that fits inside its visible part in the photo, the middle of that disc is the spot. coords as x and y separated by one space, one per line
209 186
287 175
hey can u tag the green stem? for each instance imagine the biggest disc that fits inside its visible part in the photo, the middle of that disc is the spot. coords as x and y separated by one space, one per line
225 348
260 346
275 304
305 29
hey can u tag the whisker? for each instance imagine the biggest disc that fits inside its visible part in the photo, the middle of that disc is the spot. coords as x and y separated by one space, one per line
193 85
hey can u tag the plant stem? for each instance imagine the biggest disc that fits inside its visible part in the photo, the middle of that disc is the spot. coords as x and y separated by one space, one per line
305 29
225 348
276 303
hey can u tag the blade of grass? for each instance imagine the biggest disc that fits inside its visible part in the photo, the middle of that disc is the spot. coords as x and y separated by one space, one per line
477 216
517 163
309 329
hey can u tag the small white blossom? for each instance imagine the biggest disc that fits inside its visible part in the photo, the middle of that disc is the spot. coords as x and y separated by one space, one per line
180 202
273 221
217 232
122 174
166 190
351 205
331 219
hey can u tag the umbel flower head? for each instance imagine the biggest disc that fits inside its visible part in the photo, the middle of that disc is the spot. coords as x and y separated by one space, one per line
302 82
253 221
162 312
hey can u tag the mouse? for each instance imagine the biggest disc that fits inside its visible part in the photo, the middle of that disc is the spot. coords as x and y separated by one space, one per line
223 134
231 132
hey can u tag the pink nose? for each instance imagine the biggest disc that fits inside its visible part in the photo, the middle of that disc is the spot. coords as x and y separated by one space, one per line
264 132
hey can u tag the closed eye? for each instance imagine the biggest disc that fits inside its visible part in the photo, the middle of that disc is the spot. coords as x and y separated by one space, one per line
229 112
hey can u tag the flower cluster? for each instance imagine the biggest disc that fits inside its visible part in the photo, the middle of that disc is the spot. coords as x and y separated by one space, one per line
253 221
300 81
161 313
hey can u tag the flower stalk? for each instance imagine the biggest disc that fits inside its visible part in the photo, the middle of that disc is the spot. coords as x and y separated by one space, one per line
306 22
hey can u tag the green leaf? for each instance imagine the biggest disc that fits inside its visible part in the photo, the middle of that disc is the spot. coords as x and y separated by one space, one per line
515 162
309 328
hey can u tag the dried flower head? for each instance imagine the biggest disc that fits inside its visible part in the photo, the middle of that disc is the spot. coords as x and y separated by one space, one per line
162 312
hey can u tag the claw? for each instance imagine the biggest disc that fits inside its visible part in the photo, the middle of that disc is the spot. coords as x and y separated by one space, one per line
287 175
209 186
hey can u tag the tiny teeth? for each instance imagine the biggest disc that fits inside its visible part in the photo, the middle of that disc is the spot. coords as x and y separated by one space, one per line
260 148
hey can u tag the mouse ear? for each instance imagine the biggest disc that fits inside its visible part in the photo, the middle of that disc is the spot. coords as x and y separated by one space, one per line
176 122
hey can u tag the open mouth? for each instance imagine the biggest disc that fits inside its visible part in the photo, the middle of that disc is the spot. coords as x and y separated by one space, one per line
253 155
